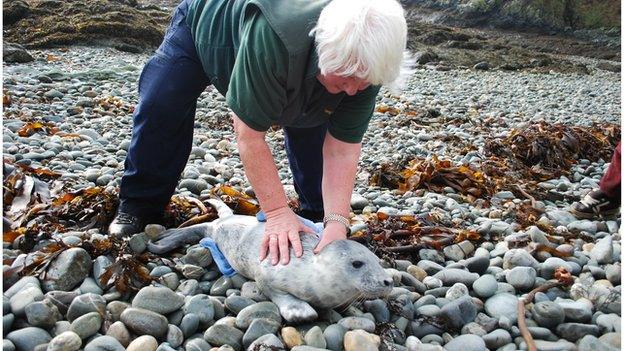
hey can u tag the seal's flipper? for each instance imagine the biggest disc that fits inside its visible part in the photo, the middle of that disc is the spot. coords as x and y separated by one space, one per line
222 209
173 238
291 308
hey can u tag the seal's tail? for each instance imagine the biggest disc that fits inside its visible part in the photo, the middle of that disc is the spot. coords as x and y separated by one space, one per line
173 238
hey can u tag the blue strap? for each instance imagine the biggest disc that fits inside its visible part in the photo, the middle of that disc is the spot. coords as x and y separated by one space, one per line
217 256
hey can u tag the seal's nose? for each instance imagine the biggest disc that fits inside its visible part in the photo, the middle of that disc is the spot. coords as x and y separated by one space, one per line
387 282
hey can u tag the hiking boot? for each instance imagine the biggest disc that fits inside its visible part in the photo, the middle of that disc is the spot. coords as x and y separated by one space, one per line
314 216
595 204
126 224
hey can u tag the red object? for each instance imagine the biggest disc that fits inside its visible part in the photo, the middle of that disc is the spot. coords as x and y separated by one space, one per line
612 179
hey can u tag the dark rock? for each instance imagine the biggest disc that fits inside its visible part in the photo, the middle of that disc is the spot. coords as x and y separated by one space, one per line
422 57
459 312
14 53
13 11
53 22
575 331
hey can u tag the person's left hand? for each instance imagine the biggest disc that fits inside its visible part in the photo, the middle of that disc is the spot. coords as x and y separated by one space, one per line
333 231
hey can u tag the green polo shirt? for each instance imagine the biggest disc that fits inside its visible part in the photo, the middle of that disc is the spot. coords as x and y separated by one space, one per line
249 63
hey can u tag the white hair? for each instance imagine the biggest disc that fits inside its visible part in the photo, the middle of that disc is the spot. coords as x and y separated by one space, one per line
364 38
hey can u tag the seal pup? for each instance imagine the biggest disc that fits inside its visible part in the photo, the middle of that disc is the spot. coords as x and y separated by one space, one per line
345 271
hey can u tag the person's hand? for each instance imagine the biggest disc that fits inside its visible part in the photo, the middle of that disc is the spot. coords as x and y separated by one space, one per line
282 226
333 231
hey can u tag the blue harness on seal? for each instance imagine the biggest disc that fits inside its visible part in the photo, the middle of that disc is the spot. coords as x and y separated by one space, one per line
224 266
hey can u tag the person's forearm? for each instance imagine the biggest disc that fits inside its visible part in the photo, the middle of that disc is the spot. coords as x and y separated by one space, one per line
339 169
260 168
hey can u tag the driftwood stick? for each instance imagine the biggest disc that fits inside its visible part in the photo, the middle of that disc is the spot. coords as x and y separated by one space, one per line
562 278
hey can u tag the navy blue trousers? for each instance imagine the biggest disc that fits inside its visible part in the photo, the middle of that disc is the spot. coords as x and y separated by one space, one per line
162 134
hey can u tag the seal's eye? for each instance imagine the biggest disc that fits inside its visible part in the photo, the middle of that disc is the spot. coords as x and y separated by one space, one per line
357 264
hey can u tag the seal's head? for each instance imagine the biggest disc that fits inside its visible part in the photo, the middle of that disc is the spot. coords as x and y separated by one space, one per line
354 270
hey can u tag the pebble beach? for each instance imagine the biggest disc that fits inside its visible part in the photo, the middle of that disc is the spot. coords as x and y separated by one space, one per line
88 93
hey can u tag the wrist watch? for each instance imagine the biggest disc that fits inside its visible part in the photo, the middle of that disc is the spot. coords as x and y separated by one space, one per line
334 217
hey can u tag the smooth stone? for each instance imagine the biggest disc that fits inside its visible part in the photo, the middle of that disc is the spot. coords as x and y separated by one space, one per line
260 310
478 264
221 334
87 325
574 331
23 298
359 340
459 312
268 342
7 323
66 341
497 338
143 343
519 258
485 286
158 299
23 283
521 278
62 299
198 256
583 226
90 286
143 321
314 338
353 323
503 304
104 343
576 311
603 250
613 273
466 342
196 344
450 276
84 304
378 309
221 286
202 306
591 343
551 264
612 339
42 314
609 322
115 308
560 217
67 270
175 337
28 338
543 345
257 328
291 337
189 324
60 327
456 291
100 265
334 337
548 314
119 331
473 328
417 272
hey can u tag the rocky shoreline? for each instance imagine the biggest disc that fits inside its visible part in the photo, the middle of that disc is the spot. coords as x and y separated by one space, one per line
460 296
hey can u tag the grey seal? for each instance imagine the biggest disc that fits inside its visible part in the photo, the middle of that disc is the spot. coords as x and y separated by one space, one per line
345 271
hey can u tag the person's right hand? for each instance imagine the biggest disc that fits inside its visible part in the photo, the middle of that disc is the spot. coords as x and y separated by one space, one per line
282 227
